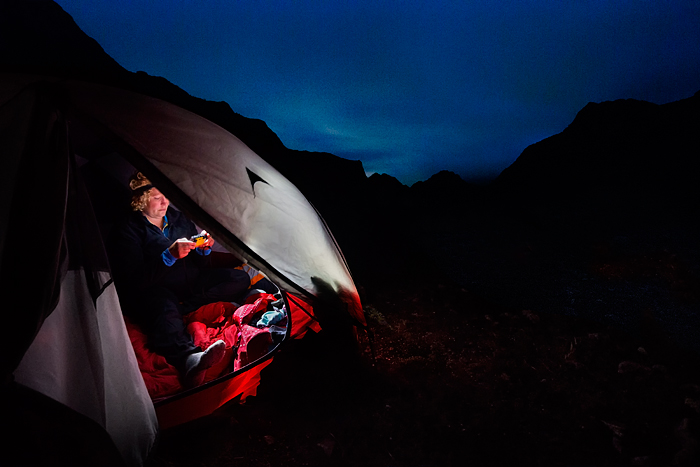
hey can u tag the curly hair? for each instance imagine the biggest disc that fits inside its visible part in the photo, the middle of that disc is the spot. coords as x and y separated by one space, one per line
141 188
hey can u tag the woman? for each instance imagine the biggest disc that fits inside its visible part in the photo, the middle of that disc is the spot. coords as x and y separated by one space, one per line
161 275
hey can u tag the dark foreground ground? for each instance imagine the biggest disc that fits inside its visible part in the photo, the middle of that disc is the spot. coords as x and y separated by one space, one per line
462 375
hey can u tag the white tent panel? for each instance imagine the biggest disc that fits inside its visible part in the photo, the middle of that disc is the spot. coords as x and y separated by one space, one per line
211 166
130 416
83 358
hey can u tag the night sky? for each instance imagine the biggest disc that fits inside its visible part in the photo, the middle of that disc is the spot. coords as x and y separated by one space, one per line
408 87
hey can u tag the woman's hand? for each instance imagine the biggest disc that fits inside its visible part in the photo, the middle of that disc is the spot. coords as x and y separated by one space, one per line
203 240
181 248
208 244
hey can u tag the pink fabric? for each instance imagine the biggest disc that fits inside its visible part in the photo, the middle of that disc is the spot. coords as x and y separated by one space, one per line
220 320
253 342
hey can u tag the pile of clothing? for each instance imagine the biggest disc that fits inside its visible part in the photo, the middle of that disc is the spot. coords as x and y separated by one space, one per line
249 330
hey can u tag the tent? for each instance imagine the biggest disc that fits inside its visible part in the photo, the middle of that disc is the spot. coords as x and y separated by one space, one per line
68 336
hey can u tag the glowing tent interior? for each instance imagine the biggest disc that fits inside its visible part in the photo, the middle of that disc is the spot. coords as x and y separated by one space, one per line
68 148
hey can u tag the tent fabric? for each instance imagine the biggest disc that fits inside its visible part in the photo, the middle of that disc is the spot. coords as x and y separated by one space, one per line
35 174
302 317
82 357
176 411
70 340
73 349
232 186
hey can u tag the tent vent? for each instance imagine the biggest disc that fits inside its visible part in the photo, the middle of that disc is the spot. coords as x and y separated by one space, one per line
254 178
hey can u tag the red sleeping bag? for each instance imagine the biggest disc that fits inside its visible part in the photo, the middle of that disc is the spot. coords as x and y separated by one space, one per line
220 320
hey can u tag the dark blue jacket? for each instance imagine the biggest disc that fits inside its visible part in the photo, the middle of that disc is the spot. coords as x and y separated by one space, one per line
135 250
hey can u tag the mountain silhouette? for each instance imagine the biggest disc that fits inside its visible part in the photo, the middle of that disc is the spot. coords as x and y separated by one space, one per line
617 162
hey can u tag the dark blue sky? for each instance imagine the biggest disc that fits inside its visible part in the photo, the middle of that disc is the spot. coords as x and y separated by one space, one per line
408 87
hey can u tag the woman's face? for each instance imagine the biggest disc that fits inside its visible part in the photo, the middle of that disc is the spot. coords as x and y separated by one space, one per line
157 204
